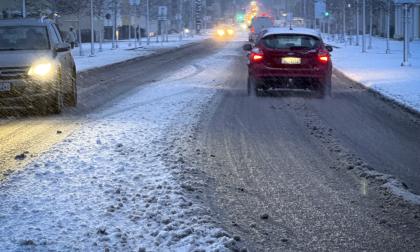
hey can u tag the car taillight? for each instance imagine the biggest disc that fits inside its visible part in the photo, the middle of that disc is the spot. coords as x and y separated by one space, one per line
252 29
256 55
323 57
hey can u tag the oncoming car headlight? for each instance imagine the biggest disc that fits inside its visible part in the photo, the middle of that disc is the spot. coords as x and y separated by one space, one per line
220 32
42 70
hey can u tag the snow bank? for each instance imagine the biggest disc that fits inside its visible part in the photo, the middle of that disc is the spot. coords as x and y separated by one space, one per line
109 185
382 72
125 51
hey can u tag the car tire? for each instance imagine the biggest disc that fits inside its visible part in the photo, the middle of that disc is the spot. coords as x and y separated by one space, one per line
56 99
325 88
70 98
252 87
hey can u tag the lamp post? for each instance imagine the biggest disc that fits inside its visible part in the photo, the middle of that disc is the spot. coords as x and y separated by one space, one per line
147 22
24 8
357 23
92 32
364 27
370 25
388 28
406 36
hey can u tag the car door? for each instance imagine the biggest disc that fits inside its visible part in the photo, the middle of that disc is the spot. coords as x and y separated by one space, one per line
64 59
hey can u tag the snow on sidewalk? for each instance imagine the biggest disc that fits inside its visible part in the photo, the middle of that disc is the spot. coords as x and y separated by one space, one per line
125 52
112 183
382 72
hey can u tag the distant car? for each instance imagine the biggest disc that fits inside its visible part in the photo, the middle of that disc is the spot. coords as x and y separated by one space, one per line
258 24
37 69
224 32
290 59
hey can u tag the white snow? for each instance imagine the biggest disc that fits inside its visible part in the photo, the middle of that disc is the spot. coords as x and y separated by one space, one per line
112 183
380 71
125 51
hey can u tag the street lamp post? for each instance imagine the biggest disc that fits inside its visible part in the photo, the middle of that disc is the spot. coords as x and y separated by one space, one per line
388 28
92 32
364 27
24 8
370 25
114 27
344 22
147 22
357 23
406 37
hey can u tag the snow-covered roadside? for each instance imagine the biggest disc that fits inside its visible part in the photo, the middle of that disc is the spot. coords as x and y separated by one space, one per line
108 186
382 72
126 51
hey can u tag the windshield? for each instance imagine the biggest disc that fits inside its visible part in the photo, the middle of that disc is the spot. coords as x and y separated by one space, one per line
23 38
261 23
288 41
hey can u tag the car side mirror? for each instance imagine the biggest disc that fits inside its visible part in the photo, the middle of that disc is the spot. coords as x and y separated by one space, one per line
329 48
247 47
62 47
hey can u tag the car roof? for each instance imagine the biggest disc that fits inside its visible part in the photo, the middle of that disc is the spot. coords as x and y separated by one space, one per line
299 31
25 22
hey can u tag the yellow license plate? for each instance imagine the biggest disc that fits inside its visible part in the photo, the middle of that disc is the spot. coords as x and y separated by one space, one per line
291 60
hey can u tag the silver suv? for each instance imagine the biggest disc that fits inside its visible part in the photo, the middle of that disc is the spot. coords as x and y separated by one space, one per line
37 69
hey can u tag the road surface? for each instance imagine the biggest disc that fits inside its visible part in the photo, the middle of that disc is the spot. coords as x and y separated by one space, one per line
278 172
281 172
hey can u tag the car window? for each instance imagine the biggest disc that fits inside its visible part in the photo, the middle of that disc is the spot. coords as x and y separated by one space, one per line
287 41
24 38
56 33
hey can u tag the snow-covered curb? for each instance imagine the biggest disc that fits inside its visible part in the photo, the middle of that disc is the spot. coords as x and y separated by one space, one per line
126 52
383 95
108 187
381 72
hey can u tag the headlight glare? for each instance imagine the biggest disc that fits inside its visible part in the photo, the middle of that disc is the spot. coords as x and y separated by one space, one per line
41 69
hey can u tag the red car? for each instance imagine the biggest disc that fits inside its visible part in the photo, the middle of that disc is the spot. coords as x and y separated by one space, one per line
289 59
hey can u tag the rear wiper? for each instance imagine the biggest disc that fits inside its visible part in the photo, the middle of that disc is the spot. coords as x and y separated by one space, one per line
298 47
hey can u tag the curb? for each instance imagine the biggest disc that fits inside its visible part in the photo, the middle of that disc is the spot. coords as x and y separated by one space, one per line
160 52
379 95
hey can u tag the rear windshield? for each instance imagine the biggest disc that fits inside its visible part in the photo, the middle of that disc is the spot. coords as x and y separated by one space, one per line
261 23
23 38
288 41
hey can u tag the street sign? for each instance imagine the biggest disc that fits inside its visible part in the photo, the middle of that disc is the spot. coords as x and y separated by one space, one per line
198 10
162 13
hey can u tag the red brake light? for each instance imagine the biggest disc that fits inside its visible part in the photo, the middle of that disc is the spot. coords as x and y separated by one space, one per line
252 29
323 56
256 55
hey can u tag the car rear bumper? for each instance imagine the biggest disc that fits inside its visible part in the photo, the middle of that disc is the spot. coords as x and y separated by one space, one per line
262 71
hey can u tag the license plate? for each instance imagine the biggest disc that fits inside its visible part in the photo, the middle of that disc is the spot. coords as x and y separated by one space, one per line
290 61
5 87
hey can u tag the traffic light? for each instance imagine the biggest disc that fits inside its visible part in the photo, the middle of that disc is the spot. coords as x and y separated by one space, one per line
240 18
327 14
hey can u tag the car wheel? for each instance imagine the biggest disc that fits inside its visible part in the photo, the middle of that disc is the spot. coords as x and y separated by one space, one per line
71 97
325 88
56 99
252 87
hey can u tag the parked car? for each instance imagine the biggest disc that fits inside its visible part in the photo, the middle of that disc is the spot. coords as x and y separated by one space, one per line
257 25
290 59
37 69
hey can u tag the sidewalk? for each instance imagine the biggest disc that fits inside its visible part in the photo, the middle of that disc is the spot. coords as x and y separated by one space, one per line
380 71
125 52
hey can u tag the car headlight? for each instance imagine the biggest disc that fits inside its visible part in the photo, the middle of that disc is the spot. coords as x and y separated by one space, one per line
40 69
221 32
230 32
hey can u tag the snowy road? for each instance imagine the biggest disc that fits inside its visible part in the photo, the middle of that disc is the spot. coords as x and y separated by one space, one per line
168 153
108 184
